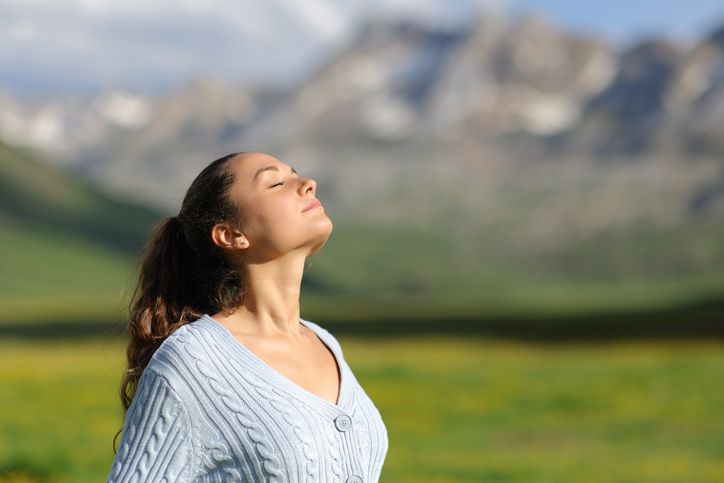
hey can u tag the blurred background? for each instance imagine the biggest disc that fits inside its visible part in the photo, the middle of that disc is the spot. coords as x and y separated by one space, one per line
527 265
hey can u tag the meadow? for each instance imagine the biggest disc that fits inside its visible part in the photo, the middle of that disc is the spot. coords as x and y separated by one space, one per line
457 409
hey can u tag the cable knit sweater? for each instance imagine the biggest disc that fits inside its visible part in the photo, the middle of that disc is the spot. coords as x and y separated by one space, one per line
208 409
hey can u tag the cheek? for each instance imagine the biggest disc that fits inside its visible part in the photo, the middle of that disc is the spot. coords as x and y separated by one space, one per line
274 220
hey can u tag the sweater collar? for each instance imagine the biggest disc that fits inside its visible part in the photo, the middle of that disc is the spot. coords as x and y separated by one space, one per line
282 381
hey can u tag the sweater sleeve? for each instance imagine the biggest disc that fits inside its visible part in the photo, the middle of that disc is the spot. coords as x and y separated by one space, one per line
156 439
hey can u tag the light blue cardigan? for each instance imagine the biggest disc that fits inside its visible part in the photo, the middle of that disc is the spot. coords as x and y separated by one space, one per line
208 409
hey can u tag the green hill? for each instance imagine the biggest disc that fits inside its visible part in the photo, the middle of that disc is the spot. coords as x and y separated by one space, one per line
416 274
66 247
67 253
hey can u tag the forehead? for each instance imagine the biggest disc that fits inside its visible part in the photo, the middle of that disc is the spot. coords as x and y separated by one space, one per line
246 165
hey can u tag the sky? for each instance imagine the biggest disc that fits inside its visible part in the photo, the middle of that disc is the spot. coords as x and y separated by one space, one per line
626 21
54 47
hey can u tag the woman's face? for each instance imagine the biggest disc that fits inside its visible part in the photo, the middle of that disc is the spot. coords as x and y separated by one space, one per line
273 198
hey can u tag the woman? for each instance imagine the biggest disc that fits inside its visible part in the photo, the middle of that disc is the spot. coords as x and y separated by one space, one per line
225 380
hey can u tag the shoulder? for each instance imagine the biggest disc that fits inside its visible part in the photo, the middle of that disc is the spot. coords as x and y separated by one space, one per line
174 360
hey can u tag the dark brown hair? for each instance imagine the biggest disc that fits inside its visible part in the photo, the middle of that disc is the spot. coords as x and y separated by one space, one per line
183 274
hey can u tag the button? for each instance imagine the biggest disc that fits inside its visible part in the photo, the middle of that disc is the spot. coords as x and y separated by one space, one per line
343 422
354 479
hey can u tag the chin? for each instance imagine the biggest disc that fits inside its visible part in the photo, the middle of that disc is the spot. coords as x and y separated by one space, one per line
321 240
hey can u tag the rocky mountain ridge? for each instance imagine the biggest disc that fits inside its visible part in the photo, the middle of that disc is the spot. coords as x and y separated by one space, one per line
409 124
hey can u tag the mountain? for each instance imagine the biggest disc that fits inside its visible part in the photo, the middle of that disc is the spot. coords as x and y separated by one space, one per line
499 88
508 158
663 99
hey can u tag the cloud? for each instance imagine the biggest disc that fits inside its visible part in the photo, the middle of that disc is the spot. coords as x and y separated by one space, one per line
79 45
72 46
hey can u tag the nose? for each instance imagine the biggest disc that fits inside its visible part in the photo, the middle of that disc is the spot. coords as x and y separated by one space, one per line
307 184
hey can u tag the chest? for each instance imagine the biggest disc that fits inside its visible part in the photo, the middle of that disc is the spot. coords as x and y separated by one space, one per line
310 366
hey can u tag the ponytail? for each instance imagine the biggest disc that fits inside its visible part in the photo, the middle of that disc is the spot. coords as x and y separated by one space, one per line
157 307
183 274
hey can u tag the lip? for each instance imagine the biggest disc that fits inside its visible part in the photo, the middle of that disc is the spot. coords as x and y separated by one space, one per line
311 205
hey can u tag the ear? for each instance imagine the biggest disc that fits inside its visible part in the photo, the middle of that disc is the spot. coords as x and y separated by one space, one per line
226 236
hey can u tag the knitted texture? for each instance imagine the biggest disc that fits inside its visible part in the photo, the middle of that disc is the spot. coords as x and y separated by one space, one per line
208 409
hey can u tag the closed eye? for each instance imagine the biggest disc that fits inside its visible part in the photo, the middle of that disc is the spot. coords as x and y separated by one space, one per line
281 182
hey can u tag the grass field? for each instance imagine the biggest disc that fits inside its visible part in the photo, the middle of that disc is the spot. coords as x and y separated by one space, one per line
456 409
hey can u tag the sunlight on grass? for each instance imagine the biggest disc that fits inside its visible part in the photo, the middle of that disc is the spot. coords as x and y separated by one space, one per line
456 409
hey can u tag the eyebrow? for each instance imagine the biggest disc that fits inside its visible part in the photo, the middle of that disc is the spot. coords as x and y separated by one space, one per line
269 168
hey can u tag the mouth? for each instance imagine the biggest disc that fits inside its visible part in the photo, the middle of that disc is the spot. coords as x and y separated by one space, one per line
311 205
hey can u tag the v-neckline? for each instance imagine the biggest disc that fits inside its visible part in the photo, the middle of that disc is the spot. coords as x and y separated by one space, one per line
291 385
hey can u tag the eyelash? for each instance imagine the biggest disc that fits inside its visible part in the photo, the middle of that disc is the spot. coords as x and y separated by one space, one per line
277 184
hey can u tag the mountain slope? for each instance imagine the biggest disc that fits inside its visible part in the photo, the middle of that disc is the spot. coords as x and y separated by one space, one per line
66 249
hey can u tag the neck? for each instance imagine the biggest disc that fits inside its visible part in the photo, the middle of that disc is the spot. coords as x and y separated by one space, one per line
270 303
